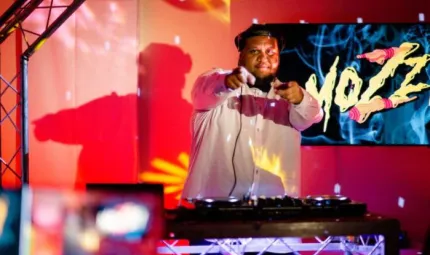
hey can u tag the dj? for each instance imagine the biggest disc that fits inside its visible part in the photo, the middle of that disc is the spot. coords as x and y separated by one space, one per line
246 125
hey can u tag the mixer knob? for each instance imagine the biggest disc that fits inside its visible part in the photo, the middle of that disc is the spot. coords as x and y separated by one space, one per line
287 201
278 201
270 202
262 201
297 202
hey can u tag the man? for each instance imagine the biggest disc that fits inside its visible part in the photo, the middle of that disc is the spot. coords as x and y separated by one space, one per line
246 125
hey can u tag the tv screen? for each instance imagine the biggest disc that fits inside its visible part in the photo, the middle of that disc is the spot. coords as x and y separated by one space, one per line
105 219
371 79
10 220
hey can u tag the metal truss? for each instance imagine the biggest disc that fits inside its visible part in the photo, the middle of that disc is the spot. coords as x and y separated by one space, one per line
17 115
369 244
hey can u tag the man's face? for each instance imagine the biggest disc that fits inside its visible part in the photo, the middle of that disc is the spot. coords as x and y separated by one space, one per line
260 56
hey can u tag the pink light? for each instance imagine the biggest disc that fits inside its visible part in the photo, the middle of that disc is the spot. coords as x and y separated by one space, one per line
113 7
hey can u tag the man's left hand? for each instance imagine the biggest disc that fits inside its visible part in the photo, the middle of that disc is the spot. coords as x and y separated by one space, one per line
290 91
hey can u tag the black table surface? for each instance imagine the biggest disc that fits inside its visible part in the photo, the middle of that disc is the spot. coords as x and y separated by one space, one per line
293 227
367 224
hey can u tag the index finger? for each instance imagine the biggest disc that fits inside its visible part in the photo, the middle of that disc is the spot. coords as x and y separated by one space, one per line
286 85
281 86
241 69
249 77
364 55
292 84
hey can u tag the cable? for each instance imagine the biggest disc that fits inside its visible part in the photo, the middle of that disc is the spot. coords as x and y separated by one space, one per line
235 144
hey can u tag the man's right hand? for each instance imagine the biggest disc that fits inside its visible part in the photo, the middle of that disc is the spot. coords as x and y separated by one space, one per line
239 77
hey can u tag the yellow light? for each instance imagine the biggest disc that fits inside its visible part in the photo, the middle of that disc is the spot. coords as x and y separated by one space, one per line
170 174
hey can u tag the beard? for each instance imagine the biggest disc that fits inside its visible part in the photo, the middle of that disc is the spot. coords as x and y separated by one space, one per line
264 83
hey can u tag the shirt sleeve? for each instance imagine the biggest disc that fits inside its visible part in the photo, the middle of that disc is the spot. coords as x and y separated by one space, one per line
209 90
308 112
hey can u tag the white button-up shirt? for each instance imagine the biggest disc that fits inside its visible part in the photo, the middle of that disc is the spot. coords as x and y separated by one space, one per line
267 154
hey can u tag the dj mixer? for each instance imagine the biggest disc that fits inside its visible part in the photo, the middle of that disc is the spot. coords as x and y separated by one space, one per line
268 208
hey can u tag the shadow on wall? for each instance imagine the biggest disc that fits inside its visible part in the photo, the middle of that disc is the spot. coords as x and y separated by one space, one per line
107 127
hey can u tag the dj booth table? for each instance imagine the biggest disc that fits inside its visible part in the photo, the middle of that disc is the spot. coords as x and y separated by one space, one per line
386 231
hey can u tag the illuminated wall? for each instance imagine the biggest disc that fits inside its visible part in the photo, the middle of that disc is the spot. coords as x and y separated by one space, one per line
110 63
83 97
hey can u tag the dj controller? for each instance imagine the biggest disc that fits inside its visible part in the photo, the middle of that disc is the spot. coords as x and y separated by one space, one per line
271 208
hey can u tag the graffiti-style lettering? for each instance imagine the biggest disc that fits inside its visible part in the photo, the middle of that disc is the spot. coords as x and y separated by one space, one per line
345 102
368 103
326 93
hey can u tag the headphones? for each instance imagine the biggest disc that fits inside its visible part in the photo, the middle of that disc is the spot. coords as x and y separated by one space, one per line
258 30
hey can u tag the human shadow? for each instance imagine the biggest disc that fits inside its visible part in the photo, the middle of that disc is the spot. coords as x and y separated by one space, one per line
164 116
107 128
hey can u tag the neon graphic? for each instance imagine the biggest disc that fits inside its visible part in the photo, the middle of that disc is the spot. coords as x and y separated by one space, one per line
372 80
368 104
